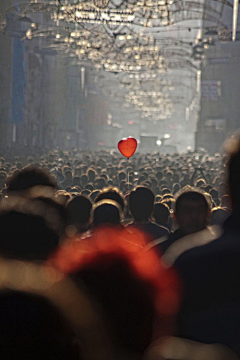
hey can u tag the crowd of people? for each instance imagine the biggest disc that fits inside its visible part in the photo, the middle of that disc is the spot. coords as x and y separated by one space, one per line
113 258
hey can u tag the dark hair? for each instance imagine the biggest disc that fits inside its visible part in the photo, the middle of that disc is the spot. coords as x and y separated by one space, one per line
226 201
127 306
219 215
78 210
29 229
89 186
161 213
83 180
86 192
122 175
32 327
94 194
141 200
68 172
76 180
106 212
112 193
129 284
191 196
28 177
100 182
214 193
234 178
91 173
200 182
166 191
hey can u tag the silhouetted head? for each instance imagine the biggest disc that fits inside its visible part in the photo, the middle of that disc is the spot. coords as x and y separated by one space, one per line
141 200
219 215
192 211
161 213
234 178
32 328
112 193
78 211
29 177
130 285
29 229
106 212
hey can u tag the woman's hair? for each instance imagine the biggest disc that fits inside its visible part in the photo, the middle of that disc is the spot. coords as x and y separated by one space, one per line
129 284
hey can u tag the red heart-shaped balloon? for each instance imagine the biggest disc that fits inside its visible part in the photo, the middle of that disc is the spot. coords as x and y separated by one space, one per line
127 147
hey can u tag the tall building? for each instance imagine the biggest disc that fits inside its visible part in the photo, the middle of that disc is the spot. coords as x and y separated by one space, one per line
219 112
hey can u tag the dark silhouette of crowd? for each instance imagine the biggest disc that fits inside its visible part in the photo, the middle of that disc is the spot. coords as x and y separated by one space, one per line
113 258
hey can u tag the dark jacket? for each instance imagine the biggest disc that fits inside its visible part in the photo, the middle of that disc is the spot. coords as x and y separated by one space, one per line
211 274
152 229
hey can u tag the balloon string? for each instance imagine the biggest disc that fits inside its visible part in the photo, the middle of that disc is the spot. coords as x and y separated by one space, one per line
128 178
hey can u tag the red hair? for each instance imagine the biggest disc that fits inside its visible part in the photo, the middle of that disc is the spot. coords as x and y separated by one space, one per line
106 247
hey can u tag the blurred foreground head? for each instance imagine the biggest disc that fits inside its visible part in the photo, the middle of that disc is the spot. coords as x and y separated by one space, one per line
178 349
232 147
30 229
28 177
45 317
130 286
32 327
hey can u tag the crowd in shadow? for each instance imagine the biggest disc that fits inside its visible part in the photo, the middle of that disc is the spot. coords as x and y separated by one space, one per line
107 258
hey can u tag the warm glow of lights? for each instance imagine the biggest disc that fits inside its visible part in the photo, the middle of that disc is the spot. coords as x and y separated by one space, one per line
167 136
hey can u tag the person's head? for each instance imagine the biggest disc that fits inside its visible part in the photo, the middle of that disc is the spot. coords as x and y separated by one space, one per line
234 175
122 175
106 212
169 175
83 180
214 193
219 215
175 178
141 200
51 205
78 212
165 191
89 186
161 213
130 285
63 196
33 328
68 174
29 229
94 194
91 173
3 176
76 181
100 182
159 175
170 202
86 192
200 182
29 177
226 202
112 193
36 321
222 189
191 211
176 188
